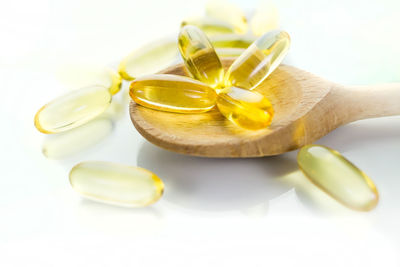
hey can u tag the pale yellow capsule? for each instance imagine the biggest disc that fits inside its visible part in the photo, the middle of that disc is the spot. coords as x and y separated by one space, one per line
149 59
229 52
247 109
232 40
81 75
73 109
338 177
172 93
259 60
209 25
200 57
228 12
116 184
265 18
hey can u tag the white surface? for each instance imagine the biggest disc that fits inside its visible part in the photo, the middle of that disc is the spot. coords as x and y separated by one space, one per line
215 212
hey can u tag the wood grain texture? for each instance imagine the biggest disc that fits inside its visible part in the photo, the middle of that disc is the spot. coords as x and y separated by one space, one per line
306 108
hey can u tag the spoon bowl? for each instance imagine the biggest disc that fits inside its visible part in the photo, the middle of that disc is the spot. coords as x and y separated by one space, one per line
306 108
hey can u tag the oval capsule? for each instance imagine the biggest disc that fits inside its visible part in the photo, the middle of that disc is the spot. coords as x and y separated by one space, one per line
232 40
149 59
116 184
80 76
228 12
172 93
247 109
73 109
200 57
338 177
259 60
210 26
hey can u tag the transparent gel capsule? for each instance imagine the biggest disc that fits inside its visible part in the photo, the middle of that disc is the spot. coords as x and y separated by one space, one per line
232 40
228 12
229 52
265 18
200 57
149 59
116 184
338 177
247 109
209 25
172 93
73 109
80 76
259 60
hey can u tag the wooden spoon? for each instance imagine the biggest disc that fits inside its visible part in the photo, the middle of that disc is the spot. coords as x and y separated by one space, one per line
306 108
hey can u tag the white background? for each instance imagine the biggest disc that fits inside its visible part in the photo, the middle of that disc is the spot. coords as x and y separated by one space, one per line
215 212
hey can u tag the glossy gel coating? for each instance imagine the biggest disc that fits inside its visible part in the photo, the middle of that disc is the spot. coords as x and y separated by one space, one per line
209 25
265 18
247 109
228 12
259 60
149 59
200 57
172 93
232 40
116 184
338 177
73 109
229 52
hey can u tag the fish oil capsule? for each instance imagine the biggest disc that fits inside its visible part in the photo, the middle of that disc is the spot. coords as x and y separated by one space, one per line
228 12
338 177
116 184
247 109
265 18
149 59
73 109
172 93
209 25
259 60
232 40
200 57
79 76
229 52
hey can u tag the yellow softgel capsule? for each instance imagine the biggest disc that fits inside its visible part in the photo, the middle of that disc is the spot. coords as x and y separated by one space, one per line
116 184
149 59
200 57
228 12
73 109
79 76
232 40
259 60
210 26
265 18
338 177
172 93
247 109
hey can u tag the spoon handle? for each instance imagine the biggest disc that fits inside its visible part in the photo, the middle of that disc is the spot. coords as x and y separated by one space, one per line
372 101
